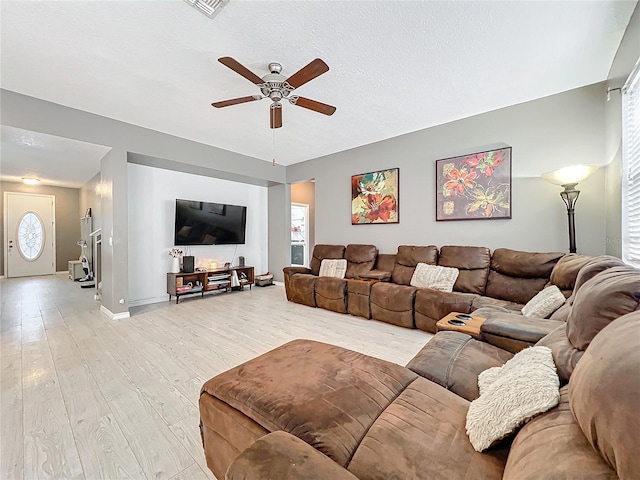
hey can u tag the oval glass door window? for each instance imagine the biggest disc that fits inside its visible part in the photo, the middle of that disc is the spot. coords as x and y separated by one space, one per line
30 236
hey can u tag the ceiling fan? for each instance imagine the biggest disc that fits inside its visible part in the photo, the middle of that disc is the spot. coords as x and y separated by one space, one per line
277 87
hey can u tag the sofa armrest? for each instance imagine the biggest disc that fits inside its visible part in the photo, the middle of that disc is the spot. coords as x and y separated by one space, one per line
454 360
377 275
282 455
514 332
288 272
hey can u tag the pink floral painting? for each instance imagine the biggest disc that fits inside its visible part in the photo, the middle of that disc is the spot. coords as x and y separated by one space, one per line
374 197
474 187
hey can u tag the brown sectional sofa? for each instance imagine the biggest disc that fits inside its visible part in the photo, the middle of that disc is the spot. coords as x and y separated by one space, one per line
494 284
308 410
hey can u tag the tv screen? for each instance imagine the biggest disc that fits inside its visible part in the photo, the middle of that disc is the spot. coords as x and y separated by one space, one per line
204 223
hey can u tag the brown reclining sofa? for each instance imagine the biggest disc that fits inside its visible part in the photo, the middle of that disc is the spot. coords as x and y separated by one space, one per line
309 410
495 285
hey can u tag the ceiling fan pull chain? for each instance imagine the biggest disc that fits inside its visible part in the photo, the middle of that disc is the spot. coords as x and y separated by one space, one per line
273 146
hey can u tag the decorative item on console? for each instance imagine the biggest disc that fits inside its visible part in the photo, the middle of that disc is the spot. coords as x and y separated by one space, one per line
175 254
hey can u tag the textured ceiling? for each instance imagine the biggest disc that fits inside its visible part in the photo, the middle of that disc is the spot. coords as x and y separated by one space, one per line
395 67
56 161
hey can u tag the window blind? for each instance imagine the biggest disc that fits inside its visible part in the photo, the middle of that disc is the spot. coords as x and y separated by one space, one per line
631 168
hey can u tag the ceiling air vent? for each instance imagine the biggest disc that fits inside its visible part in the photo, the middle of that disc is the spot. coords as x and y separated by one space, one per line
209 7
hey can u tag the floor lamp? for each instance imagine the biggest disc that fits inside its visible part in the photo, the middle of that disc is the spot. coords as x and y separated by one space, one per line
569 177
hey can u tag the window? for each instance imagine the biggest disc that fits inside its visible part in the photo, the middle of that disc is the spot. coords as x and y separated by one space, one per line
631 168
30 236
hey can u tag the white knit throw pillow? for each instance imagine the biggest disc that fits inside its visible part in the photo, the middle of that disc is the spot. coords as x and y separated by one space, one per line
333 268
522 388
434 276
547 301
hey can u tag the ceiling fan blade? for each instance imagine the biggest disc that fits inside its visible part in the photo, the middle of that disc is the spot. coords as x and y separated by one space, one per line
236 101
315 106
276 115
241 70
314 69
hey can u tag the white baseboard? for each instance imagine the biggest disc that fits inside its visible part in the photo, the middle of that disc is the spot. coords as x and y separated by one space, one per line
148 301
114 316
63 272
280 284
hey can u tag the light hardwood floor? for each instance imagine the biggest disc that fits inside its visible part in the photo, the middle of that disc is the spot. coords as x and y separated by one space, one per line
86 397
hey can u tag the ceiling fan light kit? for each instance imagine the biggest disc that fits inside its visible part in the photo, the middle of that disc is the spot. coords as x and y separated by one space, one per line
277 87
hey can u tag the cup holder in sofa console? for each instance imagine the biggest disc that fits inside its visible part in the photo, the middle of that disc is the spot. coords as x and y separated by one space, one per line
458 323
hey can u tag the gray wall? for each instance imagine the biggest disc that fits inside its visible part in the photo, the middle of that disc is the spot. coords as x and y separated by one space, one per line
138 145
90 198
628 53
67 220
305 192
566 126
279 211
115 232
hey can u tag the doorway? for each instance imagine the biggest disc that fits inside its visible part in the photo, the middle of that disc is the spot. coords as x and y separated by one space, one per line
300 234
29 234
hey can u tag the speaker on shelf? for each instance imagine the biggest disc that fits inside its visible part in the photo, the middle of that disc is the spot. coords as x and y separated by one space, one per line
241 261
188 263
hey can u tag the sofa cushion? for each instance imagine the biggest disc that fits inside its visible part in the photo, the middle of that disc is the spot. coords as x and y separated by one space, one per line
432 305
552 446
518 327
604 394
606 296
520 264
333 268
480 302
280 455
393 303
385 262
544 303
517 276
594 267
473 264
420 436
407 259
331 294
454 360
325 395
565 355
565 272
302 289
522 388
360 259
320 252
435 277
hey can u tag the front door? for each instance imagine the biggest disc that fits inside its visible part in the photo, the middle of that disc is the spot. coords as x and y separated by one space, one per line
30 234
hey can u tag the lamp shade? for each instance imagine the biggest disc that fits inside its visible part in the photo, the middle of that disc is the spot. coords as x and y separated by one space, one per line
569 175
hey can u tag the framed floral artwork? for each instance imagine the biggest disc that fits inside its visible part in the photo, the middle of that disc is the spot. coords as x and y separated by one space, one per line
374 197
474 187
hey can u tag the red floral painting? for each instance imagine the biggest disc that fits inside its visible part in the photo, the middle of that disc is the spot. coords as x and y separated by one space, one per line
374 197
474 187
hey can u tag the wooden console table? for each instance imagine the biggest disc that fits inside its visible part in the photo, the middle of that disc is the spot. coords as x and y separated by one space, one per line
183 283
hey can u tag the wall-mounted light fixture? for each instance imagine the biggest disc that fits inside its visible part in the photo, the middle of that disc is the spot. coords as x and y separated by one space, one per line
569 177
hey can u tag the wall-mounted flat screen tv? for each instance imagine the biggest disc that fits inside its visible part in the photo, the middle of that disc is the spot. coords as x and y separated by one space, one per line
204 223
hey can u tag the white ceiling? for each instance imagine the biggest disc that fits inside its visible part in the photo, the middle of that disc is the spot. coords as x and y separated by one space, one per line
395 66
56 161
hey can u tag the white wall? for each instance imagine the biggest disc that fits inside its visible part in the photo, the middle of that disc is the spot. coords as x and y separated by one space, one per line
545 134
627 55
152 196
